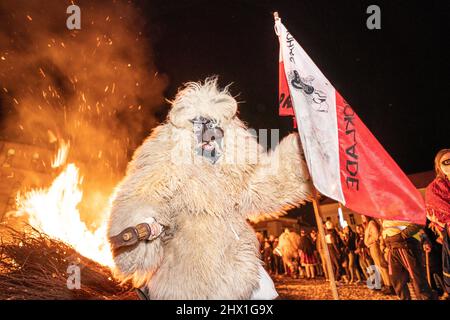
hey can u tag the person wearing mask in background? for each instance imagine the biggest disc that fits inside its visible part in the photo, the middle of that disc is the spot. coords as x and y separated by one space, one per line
372 241
288 244
404 259
437 200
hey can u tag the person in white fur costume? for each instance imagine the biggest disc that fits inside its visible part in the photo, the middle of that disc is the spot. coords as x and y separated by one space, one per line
179 218
288 245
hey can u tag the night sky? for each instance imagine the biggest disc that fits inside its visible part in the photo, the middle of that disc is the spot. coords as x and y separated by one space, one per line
395 78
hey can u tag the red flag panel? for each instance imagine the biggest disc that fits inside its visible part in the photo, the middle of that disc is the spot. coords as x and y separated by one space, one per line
372 183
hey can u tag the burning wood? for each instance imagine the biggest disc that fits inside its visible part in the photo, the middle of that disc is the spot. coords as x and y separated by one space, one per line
35 266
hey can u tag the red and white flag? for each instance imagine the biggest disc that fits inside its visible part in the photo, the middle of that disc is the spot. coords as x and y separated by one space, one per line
345 160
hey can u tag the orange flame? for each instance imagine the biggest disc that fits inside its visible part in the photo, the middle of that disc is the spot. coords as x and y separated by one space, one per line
54 212
61 156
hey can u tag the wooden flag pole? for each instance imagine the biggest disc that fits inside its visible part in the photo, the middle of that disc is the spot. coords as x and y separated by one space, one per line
321 230
427 264
324 245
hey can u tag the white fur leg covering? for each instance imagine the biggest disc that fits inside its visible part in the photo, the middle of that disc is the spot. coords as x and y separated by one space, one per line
266 290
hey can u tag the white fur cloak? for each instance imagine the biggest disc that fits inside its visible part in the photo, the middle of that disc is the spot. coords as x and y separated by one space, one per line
209 251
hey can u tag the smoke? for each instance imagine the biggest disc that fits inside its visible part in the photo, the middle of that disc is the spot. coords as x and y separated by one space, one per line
96 87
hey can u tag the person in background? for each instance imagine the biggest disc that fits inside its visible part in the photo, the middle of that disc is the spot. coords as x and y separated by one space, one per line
372 236
437 201
271 241
319 268
288 244
432 262
362 251
404 258
267 256
261 239
334 244
352 258
321 249
345 275
307 257
278 261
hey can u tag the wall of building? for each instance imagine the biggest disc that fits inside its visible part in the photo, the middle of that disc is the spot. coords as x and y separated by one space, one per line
276 227
330 212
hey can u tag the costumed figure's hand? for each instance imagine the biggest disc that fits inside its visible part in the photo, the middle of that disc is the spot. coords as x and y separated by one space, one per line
155 228
147 231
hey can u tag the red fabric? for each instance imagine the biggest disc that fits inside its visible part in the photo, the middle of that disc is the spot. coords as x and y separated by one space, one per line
306 259
372 183
284 96
437 199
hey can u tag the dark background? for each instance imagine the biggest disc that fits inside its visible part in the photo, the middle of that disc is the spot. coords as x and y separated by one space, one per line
395 78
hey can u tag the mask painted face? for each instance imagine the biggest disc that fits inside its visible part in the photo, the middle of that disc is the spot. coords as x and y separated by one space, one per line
208 138
445 164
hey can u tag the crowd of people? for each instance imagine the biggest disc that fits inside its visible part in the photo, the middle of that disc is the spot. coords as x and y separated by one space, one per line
390 253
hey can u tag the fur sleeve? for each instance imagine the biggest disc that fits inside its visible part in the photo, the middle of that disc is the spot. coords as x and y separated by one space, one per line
137 263
138 198
279 182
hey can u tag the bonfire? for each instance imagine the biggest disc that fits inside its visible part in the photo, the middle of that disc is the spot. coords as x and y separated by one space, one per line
43 259
83 92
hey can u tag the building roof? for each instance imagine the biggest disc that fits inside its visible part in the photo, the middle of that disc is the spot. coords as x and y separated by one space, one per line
422 179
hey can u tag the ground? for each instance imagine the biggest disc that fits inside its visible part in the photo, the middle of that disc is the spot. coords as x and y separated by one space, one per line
319 289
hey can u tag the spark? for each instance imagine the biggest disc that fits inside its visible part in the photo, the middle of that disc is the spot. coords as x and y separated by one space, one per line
42 72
